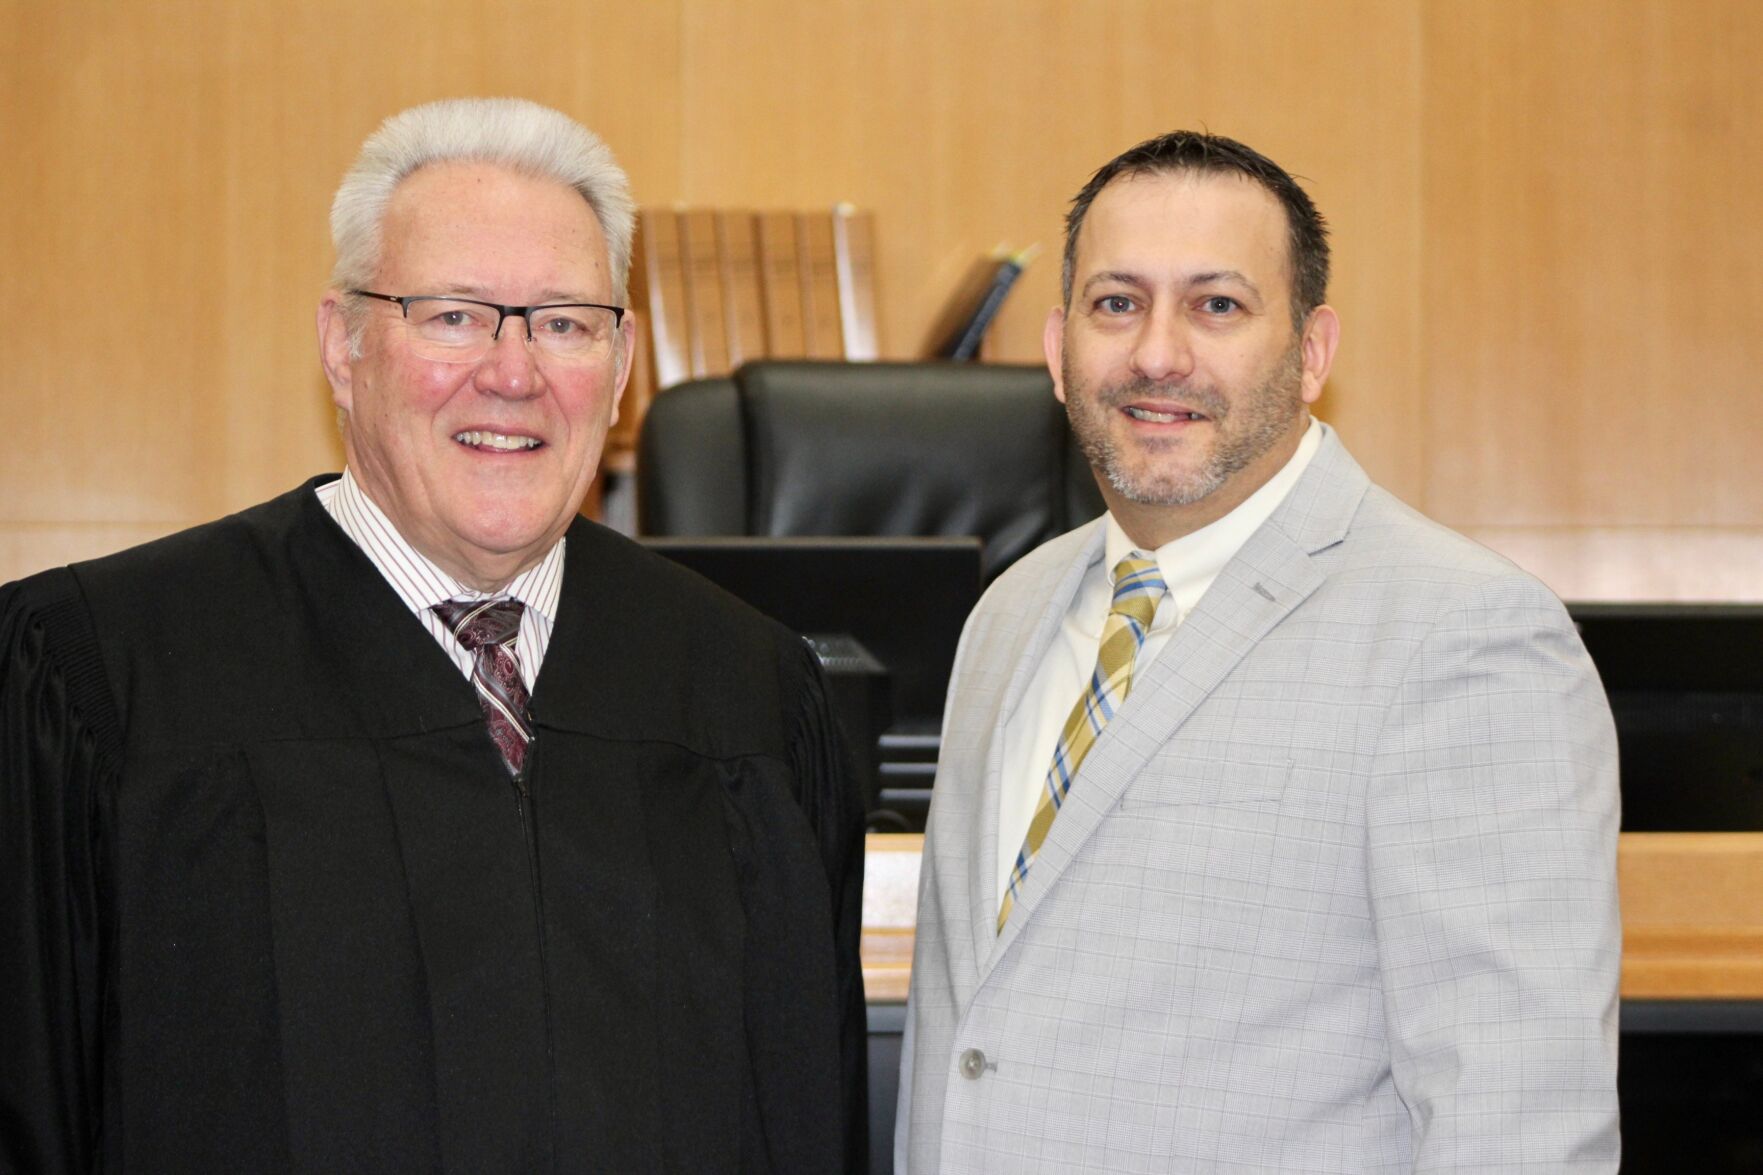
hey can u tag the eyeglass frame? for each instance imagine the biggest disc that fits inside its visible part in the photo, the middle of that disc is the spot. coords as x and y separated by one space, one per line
503 313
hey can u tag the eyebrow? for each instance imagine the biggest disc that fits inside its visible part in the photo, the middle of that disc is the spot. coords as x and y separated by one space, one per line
1224 275
1209 277
1117 276
544 298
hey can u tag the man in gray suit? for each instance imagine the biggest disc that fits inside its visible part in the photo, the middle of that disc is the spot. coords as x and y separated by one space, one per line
1275 827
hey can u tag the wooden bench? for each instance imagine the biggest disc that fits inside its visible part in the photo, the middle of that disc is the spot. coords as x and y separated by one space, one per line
1692 915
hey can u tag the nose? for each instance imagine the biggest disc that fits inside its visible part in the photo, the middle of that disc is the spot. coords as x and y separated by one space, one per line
508 369
1164 348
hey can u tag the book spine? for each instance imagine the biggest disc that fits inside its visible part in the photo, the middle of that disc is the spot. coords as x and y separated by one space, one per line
967 345
854 257
639 388
666 286
780 283
820 286
704 301
737 250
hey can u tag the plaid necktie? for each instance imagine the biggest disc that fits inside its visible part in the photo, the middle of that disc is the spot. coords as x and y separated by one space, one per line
488 629
1138 586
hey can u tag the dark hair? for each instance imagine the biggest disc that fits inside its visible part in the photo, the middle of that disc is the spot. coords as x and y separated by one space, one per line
1194 151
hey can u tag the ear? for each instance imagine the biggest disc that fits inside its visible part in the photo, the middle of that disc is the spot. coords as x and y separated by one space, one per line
627 359
1322 331
333 350
1053 345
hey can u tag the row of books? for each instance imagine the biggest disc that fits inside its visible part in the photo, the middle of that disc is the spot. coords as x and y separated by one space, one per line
715 288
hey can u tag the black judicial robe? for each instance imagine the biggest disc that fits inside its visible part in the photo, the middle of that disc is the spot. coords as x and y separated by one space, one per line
269 901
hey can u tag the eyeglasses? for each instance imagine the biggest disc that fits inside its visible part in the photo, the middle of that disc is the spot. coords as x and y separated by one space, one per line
462 330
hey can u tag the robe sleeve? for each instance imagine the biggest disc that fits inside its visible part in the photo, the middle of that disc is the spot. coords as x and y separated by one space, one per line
59 738
832 799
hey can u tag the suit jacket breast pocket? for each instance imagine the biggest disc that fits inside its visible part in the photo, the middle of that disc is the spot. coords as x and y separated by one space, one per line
1228 780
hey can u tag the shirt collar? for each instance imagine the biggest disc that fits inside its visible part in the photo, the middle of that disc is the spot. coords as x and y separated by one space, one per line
417 580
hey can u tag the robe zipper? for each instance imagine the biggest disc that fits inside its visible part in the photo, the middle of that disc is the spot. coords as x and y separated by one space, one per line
523 798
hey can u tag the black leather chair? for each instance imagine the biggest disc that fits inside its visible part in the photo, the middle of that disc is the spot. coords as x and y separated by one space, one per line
787 448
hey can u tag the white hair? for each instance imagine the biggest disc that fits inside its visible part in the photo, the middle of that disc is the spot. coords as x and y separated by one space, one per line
509 132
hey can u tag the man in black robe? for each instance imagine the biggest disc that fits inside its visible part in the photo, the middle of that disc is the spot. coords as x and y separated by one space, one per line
306 865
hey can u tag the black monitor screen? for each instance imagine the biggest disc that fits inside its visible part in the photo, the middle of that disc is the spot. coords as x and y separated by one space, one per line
1686 685
904 599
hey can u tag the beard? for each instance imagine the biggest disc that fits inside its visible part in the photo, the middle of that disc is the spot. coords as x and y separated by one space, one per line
1244 431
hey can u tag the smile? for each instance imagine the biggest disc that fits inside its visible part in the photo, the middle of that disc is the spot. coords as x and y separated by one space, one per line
497 441
1151 417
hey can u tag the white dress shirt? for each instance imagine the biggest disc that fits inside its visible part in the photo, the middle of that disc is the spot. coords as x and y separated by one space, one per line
1189 565
422 585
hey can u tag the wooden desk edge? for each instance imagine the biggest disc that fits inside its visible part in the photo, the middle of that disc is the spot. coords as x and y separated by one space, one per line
1685 957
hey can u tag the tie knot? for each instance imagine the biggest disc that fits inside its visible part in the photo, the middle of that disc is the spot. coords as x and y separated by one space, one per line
480 623
1138 587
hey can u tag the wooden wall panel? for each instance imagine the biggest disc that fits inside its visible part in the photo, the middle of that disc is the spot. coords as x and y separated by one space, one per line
1546 261
1332 94
1594 271
110 256
972 124
1636 562
166 241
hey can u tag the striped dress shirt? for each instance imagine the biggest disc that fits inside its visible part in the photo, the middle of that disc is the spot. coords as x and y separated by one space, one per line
422 585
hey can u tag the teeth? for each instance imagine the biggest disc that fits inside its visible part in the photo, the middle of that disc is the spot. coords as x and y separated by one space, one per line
1160 417
495 440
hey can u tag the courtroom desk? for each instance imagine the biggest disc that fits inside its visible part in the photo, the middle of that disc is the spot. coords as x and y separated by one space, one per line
890 907
1692 994
1692 915
1691 1077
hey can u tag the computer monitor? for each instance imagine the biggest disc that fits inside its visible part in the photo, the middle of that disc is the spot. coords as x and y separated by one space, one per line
1686 686
904 599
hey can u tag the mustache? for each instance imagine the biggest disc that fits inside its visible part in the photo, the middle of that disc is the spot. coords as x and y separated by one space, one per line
1203 399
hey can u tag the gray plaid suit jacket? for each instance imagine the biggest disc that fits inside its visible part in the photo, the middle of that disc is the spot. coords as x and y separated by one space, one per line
1335 891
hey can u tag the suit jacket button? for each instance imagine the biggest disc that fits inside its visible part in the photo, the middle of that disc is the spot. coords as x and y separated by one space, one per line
973 1063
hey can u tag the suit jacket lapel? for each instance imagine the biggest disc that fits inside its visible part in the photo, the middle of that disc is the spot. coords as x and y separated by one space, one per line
1270 576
